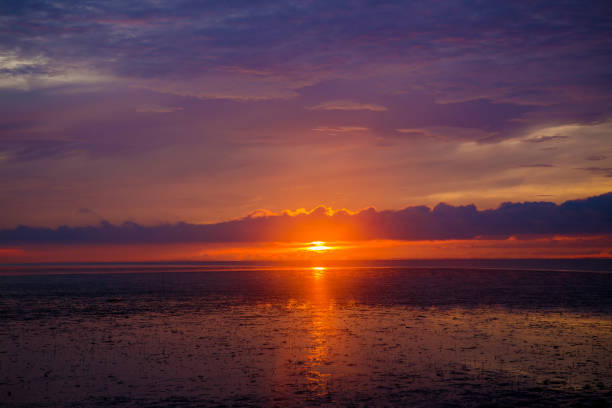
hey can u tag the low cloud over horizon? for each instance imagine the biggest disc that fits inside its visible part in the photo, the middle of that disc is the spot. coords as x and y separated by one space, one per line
443 222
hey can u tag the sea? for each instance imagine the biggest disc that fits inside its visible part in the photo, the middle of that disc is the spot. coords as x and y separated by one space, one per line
412 333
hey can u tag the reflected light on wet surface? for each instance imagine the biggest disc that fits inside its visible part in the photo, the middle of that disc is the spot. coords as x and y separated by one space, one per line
311 336
310 355
321 308
318 272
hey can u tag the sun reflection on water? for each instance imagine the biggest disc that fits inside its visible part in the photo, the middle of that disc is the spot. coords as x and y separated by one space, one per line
318 272
321 328
310 354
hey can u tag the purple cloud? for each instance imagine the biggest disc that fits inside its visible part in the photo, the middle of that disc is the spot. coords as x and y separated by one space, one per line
348 106
603 171
577 217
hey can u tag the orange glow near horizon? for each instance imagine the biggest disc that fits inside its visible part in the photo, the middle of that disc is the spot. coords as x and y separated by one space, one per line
320 251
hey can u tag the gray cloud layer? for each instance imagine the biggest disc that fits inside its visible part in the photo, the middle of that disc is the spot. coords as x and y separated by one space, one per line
589 216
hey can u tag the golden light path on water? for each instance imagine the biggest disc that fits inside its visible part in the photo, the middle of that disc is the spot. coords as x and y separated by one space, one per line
322 327
332 340
318 272
322 359
311 353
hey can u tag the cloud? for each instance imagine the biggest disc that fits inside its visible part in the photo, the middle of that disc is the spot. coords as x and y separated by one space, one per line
26 150
242 86
536 165
413 132
26 73
459 61
600 171
158 109
447 133
544 139
245 73
40 149
346 105
340 129
443 222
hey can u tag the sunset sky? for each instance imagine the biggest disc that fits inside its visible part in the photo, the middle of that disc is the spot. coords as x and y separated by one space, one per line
278 123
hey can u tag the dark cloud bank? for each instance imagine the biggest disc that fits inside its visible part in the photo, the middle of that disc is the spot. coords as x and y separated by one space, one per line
589 216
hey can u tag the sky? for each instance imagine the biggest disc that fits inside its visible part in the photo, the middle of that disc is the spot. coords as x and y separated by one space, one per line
175 114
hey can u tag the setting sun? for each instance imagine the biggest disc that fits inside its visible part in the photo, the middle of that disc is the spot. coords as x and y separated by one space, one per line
334 203
318 246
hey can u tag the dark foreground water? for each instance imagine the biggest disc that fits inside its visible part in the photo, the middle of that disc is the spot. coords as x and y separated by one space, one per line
379 334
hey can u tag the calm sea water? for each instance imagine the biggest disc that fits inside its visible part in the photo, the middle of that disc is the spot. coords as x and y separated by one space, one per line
419 333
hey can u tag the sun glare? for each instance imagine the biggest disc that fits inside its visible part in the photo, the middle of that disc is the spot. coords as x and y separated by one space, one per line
318 246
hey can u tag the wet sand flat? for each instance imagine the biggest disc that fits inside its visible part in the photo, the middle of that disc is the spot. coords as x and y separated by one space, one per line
307 337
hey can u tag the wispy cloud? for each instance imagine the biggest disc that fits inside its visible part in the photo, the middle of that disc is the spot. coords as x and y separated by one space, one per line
446 133
536 165
600 171
545 139
158 109
347 105
340 129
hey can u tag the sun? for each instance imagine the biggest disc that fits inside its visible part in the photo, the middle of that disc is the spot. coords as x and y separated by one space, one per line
318 246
